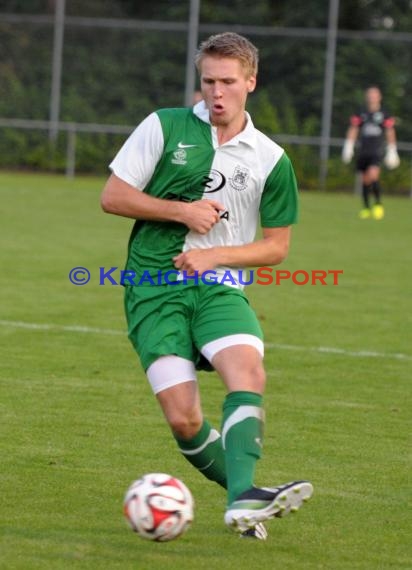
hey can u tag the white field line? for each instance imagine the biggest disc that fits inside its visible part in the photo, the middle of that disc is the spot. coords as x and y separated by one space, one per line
58 328
335 350
269 345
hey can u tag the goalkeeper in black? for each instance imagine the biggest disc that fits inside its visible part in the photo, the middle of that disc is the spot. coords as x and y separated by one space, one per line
373 131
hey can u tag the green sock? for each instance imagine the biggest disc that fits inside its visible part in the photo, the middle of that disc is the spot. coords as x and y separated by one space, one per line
242 434
205 452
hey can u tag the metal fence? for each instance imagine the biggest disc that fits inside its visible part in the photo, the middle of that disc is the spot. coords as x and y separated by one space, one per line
72 129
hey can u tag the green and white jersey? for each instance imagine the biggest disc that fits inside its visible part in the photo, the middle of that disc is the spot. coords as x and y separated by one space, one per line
174 154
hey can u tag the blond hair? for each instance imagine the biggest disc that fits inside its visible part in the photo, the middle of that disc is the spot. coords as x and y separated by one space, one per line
229 44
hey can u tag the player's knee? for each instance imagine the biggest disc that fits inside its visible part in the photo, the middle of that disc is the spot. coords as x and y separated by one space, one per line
185 426
253 379
259 376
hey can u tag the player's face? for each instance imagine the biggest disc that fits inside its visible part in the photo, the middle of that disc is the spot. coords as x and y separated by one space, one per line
225 87
373 98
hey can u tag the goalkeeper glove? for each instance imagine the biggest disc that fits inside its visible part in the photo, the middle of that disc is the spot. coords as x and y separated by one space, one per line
391 159
347 151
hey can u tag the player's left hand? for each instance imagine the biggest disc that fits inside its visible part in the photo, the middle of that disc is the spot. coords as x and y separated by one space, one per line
195 261
347 151
391 159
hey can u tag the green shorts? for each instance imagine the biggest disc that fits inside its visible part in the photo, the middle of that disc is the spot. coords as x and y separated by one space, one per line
181 318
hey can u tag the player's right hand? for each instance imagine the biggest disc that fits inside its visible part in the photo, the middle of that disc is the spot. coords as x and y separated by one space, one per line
202 215
347 151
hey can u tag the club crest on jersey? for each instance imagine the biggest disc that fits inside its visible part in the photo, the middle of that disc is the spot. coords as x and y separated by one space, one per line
179 157
240 178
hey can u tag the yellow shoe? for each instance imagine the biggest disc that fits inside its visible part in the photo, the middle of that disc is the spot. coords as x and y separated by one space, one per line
378 212
365 214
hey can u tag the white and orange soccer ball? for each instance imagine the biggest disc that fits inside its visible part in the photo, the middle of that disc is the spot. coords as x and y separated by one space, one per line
158 507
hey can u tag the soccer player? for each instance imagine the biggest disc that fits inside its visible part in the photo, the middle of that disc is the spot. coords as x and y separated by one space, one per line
372 127
196 180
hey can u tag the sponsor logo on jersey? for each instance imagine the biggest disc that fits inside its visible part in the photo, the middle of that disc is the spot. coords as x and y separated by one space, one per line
179 157
371 130
240 178
212 181
181 145
204 182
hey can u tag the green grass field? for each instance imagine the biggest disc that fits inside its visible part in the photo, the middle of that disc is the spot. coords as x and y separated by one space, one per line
79 422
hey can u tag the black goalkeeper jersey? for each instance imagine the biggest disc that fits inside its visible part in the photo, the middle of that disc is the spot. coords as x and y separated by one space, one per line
372 131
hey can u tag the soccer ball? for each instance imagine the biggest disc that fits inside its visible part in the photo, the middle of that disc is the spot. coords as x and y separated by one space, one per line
158 507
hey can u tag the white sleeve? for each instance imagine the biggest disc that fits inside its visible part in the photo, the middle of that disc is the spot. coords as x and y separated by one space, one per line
137 159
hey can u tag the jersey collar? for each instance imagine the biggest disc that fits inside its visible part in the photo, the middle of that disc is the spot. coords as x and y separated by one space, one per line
247 136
